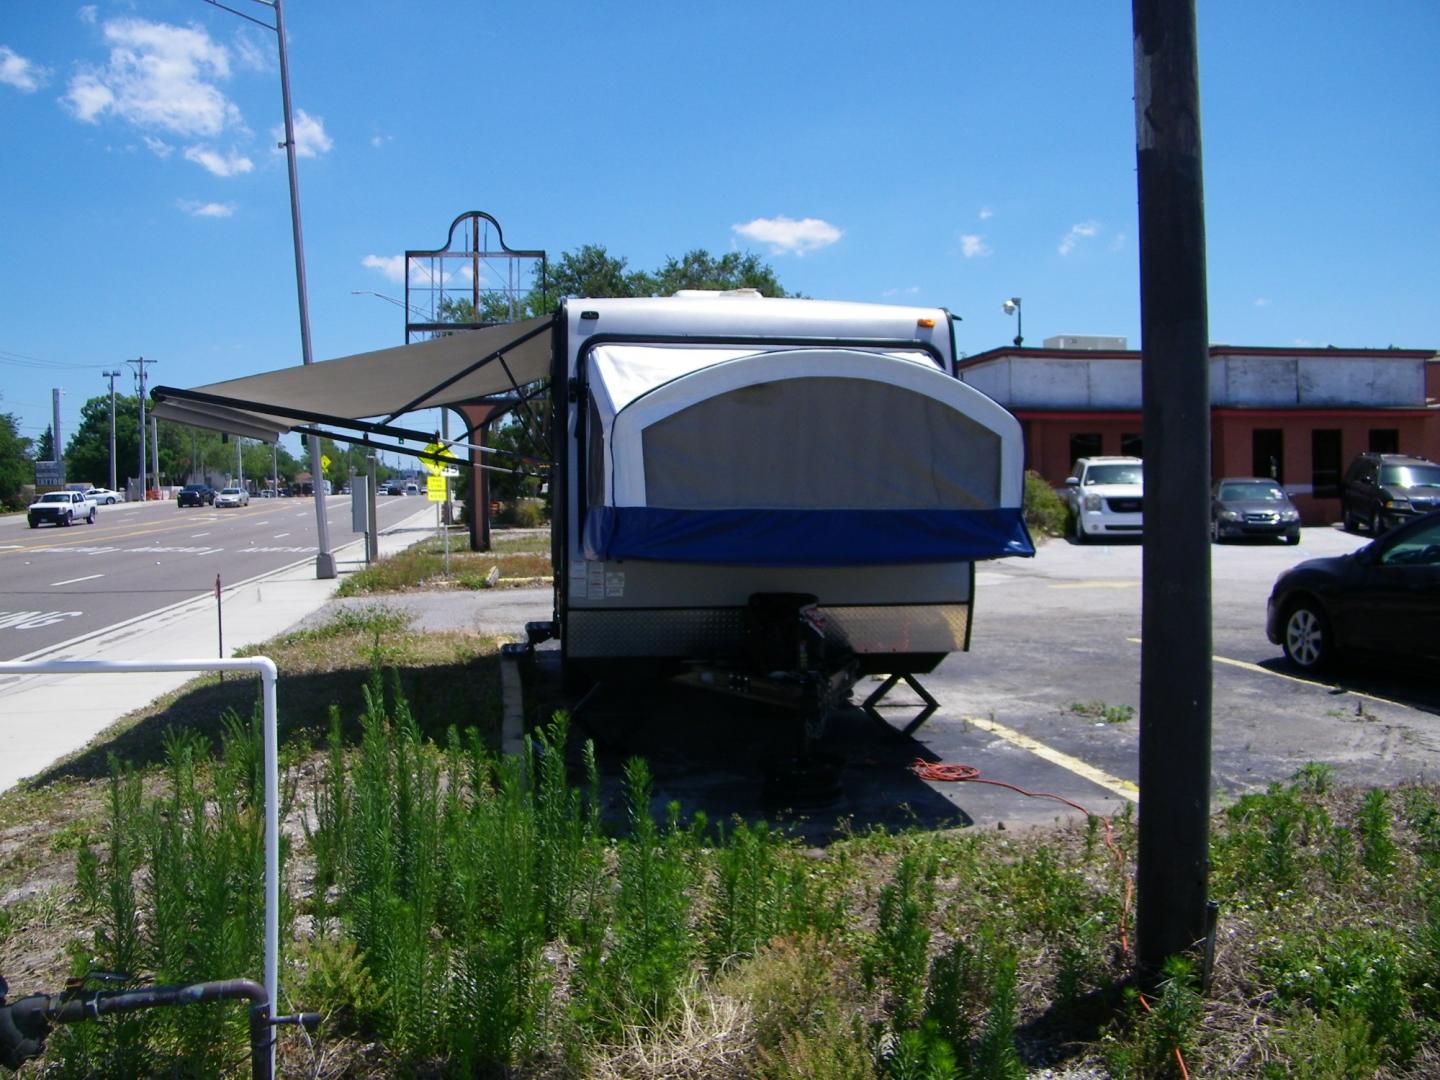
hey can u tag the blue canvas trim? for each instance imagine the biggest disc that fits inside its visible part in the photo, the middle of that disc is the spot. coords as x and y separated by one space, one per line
756 537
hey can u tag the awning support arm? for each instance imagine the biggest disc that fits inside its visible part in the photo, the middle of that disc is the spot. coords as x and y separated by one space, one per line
419 402
365 440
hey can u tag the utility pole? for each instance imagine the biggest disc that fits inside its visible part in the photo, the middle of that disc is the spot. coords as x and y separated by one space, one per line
112 376
1172 877
325 559
140 363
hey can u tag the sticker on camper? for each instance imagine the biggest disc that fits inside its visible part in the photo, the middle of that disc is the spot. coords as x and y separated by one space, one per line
594 580
615 584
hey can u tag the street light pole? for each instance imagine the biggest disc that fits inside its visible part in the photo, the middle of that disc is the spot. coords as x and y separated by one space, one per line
112 375
1012 307
324 559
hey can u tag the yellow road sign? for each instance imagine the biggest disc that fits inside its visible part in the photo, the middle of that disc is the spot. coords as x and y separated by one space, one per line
435 488
437 468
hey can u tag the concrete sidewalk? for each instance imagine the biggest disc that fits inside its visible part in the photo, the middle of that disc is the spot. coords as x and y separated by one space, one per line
45 717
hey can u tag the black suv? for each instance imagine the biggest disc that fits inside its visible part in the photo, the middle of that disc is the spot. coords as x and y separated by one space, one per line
1381 491
195 495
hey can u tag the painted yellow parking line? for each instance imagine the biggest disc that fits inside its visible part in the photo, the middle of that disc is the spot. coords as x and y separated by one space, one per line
1123 788
1259 669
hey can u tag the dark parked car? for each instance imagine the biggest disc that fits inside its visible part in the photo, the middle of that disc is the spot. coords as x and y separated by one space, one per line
195 495
1252 506
1382 490
1383 599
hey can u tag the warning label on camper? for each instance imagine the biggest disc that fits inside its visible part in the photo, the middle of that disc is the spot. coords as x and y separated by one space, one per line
615 583
594 580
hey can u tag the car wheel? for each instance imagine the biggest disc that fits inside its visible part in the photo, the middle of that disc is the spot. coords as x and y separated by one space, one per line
1214 531
1307 639
91 519
1348 522
1079 533
1292 537
34 524
1375 526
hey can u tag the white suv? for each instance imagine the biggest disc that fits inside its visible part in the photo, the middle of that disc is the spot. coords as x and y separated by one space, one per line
1106 496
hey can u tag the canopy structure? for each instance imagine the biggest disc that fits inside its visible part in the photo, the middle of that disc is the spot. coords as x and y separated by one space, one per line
353 391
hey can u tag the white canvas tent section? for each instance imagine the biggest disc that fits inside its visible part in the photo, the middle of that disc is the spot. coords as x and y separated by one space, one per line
760 430
370 384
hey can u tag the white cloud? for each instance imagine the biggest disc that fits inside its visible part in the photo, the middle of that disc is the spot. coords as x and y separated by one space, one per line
220 164
985 213
973 246
788 236
250 52
88 14
310 138
159 147
913 290
1082 231
392 266
208 209
24 75
377 141
157 76
1262 301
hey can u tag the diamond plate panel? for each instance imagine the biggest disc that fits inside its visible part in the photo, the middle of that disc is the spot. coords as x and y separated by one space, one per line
683 632
924 628
678 632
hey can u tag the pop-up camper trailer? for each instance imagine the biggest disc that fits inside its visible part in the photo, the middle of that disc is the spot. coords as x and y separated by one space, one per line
750 486
770 497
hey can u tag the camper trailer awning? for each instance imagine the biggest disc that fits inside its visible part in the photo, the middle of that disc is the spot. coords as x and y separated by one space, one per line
462 367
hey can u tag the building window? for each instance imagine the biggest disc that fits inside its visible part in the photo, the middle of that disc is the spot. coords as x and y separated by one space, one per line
1086 444
1325 463
1385 440
1267 454
1132 444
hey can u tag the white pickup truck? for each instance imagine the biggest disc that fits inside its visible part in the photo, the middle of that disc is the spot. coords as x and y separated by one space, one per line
61 508
1106 497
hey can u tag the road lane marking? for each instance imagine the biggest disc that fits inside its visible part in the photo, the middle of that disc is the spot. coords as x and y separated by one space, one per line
74 580
1123 788
196 536
1096 585
279 536
1260 669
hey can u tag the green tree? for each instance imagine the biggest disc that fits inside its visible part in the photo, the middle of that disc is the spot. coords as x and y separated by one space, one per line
16 466
87 454
699 269
45 448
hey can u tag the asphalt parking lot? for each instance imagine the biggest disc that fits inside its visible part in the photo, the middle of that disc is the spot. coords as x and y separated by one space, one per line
1046 700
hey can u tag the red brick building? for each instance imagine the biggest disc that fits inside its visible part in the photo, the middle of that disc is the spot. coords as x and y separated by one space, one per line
1298 415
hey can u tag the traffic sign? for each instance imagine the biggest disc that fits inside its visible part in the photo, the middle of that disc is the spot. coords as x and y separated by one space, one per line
439 449
435 488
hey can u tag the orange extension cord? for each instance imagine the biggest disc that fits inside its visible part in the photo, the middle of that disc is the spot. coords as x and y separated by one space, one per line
945 772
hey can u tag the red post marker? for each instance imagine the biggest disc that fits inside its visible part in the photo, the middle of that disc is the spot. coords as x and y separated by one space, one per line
219 622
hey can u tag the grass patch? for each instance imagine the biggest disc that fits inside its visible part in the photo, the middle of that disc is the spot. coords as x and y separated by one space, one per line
517 559
460 912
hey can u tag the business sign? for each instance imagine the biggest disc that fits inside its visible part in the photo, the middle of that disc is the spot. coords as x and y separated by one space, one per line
49 473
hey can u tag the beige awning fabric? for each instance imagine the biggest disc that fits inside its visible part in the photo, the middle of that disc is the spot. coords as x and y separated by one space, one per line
461 367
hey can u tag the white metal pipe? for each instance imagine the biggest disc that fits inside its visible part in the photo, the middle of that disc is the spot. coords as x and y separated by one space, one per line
265 668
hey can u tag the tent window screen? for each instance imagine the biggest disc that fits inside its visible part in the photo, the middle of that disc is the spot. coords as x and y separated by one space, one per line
821 443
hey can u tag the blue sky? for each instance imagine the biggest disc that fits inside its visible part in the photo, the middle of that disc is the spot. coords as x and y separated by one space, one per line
948 153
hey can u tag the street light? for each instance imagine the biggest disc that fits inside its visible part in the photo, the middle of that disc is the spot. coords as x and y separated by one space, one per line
324 559
1012 307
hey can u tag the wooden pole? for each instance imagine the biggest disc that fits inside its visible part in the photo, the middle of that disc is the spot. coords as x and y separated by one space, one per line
1175 665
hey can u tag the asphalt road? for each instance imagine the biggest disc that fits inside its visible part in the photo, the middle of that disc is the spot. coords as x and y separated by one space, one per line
138 558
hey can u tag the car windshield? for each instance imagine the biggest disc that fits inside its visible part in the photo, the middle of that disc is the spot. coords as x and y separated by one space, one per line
1411 475
1257 492
55 497
1115 474
230 491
